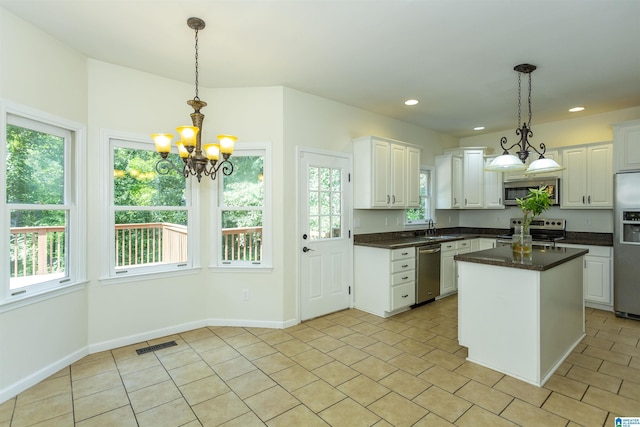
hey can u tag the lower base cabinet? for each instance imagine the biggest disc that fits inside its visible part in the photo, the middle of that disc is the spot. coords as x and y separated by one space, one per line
448 272
385 280
597 276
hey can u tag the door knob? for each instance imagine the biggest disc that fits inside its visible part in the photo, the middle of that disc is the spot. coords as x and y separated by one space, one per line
306 249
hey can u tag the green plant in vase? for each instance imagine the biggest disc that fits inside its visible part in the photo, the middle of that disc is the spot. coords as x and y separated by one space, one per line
537 201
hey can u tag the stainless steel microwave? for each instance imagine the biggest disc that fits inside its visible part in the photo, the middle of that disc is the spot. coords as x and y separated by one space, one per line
520 188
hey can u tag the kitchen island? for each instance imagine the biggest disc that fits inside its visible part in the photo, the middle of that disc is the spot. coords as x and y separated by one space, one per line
521 316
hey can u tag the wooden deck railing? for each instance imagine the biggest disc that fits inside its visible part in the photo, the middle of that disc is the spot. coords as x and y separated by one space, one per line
40 250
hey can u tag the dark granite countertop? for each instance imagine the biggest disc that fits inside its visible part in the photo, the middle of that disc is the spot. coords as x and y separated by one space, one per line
540 260
403 239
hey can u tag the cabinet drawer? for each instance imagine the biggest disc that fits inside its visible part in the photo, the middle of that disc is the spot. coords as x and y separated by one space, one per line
403 277
403 253
403 296
403 265
463 244
449 246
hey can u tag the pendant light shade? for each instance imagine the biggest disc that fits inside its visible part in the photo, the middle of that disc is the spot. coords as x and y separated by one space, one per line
509 162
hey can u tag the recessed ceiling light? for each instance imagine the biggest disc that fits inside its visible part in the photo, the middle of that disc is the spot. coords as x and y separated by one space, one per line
576 109
479 128
411 102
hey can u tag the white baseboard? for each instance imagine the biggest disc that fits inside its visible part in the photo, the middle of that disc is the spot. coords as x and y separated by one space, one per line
41 374
145 336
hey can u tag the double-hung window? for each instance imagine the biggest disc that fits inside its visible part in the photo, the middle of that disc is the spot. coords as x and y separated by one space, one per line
42 231
151 216
243 224
423 214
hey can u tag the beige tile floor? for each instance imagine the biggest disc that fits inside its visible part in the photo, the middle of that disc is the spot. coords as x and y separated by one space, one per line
345 369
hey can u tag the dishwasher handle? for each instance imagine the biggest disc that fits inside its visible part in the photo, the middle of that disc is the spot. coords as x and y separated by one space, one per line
429 251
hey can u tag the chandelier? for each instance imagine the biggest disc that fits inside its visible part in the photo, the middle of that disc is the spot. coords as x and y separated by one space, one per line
510 162
198 160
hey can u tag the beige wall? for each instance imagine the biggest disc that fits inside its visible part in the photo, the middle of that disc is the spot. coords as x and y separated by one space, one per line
38 72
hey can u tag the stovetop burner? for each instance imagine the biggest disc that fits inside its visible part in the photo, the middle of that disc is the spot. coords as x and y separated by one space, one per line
541 229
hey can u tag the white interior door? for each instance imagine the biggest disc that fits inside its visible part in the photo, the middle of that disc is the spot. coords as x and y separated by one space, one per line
325 243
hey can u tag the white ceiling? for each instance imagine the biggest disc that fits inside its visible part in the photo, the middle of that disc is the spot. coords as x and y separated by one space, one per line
455 56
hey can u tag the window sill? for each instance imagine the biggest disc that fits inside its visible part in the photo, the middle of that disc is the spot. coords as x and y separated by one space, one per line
155 275
235 268
34 298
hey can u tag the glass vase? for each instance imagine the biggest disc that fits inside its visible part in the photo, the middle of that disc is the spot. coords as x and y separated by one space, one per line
522 242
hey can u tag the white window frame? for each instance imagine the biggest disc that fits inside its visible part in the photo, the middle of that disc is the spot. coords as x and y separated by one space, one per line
421 223
74 203
110 274
266 264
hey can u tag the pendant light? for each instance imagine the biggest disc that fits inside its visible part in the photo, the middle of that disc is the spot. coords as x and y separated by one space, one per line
510 162
198 160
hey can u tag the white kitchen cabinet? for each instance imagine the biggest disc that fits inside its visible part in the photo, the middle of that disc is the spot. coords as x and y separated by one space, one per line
448 274
597 276
587 181
448 181
385 279
492 187
413 177
486 243
626 146
384 171
473 179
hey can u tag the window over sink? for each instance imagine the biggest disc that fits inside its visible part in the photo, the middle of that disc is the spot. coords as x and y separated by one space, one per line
422 215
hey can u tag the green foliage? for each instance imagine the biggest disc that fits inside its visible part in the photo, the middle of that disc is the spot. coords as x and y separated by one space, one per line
241 190
136 183
536 202
35 175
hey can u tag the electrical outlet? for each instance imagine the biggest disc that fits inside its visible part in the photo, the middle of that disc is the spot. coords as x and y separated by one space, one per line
386 221
497 219
587 221
245 295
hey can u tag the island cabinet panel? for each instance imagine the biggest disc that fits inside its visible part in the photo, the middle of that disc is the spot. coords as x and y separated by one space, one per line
385 280
520 322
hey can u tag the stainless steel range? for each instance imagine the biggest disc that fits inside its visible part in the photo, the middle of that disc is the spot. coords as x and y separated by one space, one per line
545 232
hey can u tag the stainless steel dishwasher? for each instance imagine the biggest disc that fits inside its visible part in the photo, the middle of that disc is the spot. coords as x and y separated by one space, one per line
427 272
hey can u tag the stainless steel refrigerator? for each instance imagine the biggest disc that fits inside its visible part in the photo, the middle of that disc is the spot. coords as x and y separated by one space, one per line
626 246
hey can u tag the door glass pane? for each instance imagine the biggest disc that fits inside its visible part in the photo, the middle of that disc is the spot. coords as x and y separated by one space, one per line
325 203
35 167
37 246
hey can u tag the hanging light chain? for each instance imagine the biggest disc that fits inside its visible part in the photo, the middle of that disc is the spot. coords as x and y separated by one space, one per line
519 96
529 100
196 97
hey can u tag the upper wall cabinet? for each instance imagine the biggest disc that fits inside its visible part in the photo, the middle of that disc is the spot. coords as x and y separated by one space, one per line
473 179
587 181
492 187
386 174
460 179
626 146
448 181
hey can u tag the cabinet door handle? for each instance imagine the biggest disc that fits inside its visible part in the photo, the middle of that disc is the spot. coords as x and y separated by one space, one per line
405 277
583 200
388 199
589 199
499 200
404 296
405 266
455 201
465 202
393 200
